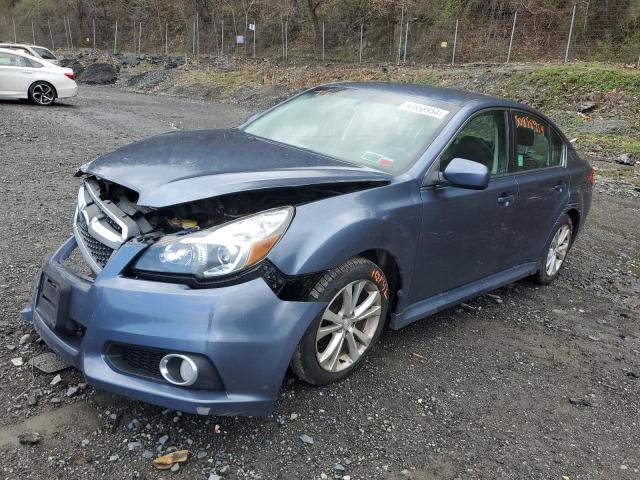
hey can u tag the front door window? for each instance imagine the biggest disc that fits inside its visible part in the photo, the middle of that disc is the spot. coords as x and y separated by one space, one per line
482 140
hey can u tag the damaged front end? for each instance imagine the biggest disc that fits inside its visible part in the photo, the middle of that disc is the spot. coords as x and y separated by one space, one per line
195 243
238 328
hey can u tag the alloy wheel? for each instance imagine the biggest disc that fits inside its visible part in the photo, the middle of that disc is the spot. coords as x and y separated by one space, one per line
558 250
43 94
348 325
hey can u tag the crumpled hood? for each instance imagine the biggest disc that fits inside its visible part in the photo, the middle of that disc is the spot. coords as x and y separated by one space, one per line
181 167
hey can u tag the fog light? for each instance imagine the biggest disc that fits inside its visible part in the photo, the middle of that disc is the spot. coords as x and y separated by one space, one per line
179 369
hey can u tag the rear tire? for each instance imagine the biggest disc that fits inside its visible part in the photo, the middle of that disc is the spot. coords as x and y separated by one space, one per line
42 93
555 252
336 342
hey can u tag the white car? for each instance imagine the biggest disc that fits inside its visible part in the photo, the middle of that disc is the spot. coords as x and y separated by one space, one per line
25 76
33 50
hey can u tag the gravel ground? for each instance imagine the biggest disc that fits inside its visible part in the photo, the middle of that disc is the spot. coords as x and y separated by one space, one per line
533 382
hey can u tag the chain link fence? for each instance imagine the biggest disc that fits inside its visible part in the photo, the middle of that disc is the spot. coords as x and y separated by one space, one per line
574 33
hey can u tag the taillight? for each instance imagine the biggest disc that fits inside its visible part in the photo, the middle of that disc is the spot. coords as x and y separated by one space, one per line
70 76
591 177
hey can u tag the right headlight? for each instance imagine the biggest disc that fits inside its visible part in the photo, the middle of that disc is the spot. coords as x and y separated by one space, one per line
218 251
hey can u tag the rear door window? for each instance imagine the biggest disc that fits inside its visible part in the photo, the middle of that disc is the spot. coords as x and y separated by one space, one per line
44 53
537 145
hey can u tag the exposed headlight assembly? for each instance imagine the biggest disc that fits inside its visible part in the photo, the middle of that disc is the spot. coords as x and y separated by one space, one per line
218 251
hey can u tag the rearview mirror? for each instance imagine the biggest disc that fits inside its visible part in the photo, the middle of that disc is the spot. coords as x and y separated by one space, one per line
467 174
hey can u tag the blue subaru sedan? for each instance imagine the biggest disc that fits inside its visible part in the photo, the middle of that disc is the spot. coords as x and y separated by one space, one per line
212 261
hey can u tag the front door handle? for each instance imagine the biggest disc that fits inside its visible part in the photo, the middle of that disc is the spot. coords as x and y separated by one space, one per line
559 187
27 73
505 199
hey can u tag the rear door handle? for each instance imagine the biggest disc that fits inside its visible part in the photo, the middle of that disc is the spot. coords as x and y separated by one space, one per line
505 199
27 73
559 187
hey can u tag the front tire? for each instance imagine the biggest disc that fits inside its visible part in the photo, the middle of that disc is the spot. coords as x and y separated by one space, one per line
336 342
42 93
556 251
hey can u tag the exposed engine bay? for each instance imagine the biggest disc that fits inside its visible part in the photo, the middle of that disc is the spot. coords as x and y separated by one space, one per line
209 212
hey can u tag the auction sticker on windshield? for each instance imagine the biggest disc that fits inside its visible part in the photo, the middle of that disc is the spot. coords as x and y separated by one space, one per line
422 109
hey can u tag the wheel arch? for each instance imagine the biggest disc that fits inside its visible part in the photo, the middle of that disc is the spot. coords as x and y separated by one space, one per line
391 268
574 215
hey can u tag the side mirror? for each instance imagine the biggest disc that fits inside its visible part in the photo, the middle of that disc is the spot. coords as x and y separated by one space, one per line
467 174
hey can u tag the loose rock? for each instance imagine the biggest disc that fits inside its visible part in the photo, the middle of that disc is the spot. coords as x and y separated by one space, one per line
306 439
29 438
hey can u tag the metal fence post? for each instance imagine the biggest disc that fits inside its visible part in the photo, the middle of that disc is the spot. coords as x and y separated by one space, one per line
166 38
286 41
66 37
15 35
573 16
222 38
400 36
282 34
50 34
455 44
94 32
115 38
70 36
140 39
361 32
406 38
255 28
323 41
513 31
33 33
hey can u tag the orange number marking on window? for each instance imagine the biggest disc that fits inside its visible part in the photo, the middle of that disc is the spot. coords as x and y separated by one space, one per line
530 123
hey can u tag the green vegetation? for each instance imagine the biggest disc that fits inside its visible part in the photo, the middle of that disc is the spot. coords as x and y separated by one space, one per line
553 85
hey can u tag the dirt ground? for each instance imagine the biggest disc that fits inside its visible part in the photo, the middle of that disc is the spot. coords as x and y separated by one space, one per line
536 382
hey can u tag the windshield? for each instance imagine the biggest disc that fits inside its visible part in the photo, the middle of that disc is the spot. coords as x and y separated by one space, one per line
383 130
44 53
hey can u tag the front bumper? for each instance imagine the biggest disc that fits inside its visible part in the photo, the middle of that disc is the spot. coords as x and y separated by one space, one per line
247 332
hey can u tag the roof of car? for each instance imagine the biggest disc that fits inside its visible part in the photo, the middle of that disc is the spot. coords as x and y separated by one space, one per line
457 97
8 50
